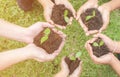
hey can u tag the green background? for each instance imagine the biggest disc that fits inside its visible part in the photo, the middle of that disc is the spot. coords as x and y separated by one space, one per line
75 41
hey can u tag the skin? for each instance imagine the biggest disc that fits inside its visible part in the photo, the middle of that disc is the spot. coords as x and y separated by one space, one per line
65 70
109 58
27 35
105 10
48 5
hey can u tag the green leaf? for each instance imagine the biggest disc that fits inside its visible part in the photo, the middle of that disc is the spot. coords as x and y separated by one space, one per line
65 16
47 31
101 43
43 39
88 18
95 44
72 58
66 19
65 13
78 54
93 13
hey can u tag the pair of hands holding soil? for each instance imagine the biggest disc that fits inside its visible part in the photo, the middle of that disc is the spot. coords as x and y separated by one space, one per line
40 54
106 58
104 11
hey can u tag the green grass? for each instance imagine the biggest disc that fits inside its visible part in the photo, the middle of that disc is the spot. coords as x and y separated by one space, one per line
75 42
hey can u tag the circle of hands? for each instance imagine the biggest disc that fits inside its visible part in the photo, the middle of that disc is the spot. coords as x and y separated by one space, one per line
41 55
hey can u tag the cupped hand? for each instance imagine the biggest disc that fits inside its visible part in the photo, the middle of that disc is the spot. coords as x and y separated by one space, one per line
105 59
67 5
48 11
64 67
36 28
112 45
83 8
40 54
77 71
105 16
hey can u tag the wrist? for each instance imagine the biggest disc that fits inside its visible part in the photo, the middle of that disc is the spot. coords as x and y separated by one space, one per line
27 36
113 59
64 73
117 47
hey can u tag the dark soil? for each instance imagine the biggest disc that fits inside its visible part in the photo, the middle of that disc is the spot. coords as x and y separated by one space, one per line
72 65
94 23
53 1
25 5
58 14
50 45
100 51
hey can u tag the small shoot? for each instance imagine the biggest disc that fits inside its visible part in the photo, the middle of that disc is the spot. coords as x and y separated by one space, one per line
77 55
101 43
90 16
46 34
65 16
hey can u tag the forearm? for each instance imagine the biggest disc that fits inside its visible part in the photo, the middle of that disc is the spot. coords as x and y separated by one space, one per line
11 57
115 65
13 31
113 4
117 47
61 74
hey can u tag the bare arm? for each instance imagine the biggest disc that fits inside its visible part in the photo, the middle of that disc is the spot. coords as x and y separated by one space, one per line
13 31
62 73
115 63
11 57
113 4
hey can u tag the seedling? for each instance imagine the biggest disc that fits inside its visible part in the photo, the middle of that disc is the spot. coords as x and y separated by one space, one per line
46 34
101 43
90 16
65 16
77 55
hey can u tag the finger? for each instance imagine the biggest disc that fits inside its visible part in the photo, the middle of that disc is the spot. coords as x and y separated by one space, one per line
59 32
60 47
78 14
83 25
70 21
63 63
103 37
77 71
59 26
92 32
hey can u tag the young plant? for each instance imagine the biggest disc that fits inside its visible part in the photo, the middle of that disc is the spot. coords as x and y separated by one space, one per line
77 55
66 18
90 16
46 34
101 43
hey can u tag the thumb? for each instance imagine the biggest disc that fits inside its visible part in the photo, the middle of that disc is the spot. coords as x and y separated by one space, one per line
64 64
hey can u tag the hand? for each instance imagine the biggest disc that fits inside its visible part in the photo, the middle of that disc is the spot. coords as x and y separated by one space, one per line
77 72
69 6
83 8
48 10
65 69
105 59
40 54
105 16
36 28
112 45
